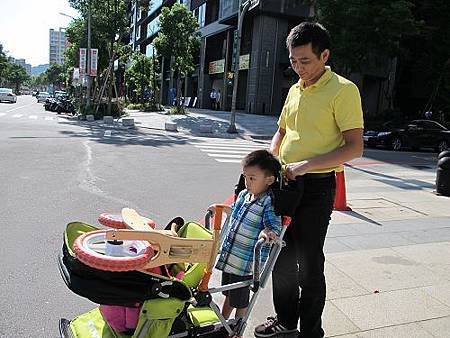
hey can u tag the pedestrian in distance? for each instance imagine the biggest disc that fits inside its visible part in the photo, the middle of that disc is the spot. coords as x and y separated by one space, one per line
319 129
252 217
218 95
212 97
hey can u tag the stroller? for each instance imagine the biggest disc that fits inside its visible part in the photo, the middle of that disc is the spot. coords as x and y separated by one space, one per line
128 266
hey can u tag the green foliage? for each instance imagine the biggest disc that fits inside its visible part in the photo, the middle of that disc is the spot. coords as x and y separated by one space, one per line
365 30
178 40
178 37
55 74
140 74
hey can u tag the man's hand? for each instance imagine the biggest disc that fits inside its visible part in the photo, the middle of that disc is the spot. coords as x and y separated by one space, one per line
268 235
293 170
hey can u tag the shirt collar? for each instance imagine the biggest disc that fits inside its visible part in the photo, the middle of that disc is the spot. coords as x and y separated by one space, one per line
326 76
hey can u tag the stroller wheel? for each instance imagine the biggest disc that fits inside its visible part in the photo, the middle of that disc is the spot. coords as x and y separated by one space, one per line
91 248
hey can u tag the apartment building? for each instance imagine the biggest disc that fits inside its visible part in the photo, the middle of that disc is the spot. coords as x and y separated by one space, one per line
57 45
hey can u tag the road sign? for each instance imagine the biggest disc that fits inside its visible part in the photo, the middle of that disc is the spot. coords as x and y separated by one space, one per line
82 61
94 61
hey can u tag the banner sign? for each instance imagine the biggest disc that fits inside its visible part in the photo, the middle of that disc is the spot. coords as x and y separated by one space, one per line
94 61
82 61
244 62
76 74
217 67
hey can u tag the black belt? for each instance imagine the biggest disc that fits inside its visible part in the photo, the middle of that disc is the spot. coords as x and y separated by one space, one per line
316 175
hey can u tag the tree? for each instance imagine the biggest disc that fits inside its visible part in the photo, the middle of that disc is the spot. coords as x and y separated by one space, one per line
4 64
178 40
16 76
55 74
139 74
366 30
424 70
109 23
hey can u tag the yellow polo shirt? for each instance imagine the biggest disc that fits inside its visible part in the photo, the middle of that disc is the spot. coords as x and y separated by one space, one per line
315 117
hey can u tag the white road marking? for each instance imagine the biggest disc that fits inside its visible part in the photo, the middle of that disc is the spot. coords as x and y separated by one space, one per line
2 114
33 117
227 155
228 161
17 115
27 105
48 118
226 151
228 146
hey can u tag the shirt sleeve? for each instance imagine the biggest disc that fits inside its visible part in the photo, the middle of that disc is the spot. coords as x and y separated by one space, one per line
270 220
347 108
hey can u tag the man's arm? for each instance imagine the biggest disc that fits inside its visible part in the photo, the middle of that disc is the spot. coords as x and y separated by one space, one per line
276 141
353 148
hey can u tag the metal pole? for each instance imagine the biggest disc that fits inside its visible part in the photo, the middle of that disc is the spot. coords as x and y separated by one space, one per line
88 59
232 128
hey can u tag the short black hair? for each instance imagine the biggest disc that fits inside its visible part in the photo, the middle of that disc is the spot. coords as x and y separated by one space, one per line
264 160
309 32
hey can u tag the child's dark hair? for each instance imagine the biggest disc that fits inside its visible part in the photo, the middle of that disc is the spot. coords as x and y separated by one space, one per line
264 160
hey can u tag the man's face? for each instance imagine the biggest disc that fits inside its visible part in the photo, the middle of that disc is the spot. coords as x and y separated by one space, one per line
306 64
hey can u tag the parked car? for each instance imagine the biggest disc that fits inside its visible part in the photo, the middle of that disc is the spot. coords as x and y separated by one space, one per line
414 134
42 96
6 94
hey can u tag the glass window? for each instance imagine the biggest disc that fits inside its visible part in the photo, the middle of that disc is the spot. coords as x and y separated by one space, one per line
153 27
149 50
155 4
200 14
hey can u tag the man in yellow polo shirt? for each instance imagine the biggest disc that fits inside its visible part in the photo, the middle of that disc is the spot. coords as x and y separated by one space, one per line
319 129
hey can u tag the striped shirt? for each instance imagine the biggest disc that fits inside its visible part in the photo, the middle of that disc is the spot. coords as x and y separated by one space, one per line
248 218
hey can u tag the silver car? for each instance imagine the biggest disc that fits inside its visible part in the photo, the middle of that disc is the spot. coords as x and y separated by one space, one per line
6 94
42 96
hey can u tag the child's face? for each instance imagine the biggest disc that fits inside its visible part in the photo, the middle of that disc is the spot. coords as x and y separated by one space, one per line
256 180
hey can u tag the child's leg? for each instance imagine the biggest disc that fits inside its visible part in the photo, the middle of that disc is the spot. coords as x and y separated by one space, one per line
226 308
240 313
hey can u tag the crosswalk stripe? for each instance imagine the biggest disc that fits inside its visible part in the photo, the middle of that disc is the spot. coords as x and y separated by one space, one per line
228 146
17 115
227 160
33 117
2 114
227 155
226 151
48 118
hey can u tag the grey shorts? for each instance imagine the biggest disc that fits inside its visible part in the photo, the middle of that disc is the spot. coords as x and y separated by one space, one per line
239 298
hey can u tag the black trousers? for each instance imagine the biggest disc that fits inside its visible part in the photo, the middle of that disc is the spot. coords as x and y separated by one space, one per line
298 278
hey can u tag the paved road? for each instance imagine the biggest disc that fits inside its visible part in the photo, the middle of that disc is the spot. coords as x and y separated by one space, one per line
55 170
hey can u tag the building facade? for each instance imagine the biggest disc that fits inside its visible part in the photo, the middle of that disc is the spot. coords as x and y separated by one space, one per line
57 45
265 74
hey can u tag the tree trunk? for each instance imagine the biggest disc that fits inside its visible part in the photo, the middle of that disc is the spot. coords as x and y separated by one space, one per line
179 106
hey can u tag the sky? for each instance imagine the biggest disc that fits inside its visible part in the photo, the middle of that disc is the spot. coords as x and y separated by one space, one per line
25 24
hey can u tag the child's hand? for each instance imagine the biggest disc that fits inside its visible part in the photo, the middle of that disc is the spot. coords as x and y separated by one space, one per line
268 235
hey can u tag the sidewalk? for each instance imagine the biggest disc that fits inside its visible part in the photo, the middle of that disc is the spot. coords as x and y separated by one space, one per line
247 125
387 260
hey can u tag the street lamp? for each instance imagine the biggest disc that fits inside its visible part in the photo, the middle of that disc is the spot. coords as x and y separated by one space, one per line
232 127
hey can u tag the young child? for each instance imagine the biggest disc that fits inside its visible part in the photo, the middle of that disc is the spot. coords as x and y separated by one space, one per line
252 217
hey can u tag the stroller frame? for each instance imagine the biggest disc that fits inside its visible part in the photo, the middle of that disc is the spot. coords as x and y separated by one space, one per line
224 327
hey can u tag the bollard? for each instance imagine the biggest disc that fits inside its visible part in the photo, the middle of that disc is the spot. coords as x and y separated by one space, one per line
128 122
170 126
340 199
108 120
443 174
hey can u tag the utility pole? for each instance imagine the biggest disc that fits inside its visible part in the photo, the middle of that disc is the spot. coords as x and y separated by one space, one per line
232 127
88 59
